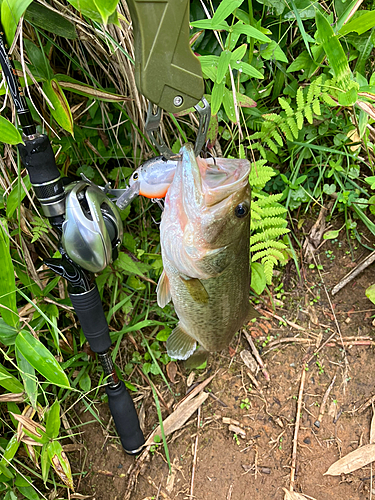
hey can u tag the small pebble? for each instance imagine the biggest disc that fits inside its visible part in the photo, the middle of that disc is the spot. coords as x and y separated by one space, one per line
265 470
119 466
307 440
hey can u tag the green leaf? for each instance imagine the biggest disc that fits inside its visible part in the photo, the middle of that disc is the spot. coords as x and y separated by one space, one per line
61 111
360 24
239 53
9 311
40 16
17 195
53 420
301 62
163 335
217 97
28 377
223 65
206 24
41 359
127 264
85 382
246 68
95 9
225 9
258 278
246 29
349 97
273 51
9 382
8 334
11 12
60 463
229 107
8 132
331 235
42 68
44 462
28 492
10 451
370 293
335 53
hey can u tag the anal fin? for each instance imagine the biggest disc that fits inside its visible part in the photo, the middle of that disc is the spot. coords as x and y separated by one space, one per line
179 344
197 359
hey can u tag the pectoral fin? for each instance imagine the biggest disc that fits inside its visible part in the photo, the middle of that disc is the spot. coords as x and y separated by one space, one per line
196 289
179 344
163 291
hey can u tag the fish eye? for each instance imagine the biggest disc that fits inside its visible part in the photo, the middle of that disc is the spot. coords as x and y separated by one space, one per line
135 176
241 210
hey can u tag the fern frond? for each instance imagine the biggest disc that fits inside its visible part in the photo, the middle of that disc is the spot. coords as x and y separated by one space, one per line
268 234
293 126
286 106
266 222
286 130
271 145
268 200
260 174
309 114
300 99
267 244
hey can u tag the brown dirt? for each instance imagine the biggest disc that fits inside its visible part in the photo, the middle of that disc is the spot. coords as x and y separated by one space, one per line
258 466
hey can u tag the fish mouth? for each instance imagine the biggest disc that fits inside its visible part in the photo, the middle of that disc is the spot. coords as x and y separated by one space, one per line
212 180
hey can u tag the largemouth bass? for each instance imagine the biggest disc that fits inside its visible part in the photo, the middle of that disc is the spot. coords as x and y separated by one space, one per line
205 235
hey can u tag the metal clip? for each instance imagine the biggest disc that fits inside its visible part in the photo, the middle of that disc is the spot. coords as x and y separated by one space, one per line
153 124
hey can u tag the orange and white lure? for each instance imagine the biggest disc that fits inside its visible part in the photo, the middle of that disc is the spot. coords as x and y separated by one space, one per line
153 178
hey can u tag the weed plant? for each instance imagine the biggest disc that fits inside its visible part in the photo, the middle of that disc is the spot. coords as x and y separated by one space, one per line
291 87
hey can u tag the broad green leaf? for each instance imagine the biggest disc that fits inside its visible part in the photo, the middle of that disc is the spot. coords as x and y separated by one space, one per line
41 359
246 68
8 132
60 463
9 312
302 61
207 24
42 68
85 382
360 24
40 16
45 462
273 51
225 9
16 195
349 97
8 334
258 278
335 53
127 264
10 450
246 29
106 8
90 9
9 382
244 101
370 293
11 12
29 492
28 376
217 97
223 65
68 83
213 130
53 420
239 53
331 235
61 113
228 104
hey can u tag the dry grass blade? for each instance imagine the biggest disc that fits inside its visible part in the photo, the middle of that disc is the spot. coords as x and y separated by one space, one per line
292 495
372 428
25 422
353 461
177 419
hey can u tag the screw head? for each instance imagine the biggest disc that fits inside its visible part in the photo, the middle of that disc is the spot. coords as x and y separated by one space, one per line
177 101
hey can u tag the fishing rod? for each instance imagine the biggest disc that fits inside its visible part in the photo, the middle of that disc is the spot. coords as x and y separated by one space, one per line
90 230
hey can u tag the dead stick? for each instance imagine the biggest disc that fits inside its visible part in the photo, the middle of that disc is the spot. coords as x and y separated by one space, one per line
324 402
350 276
256 355
296 429
195 455
279 318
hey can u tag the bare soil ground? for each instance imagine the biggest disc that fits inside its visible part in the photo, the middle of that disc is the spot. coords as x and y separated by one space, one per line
258 465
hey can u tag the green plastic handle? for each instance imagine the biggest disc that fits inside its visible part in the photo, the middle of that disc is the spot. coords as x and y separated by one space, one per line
166 70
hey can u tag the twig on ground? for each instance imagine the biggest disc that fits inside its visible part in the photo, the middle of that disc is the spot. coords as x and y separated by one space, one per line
160 490
256 355
229 494
324 402
296 429
279 318
354 272
195 455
